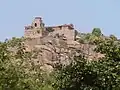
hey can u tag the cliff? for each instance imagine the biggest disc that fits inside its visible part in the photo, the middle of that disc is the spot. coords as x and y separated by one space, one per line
55 44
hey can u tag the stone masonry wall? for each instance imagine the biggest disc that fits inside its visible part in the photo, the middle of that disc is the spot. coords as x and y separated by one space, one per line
69 34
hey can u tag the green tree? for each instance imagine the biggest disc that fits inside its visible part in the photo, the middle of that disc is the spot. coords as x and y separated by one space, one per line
97 32
103 74
113 37
17 69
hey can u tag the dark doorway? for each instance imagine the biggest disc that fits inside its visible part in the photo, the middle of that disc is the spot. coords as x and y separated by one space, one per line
35 24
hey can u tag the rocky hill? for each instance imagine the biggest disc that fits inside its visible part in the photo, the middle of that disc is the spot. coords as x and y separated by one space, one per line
57 44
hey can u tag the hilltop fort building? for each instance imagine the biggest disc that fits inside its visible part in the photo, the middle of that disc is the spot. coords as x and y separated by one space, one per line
37 30
55 43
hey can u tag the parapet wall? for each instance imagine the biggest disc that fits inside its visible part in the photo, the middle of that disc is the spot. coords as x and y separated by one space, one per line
69 34
33 33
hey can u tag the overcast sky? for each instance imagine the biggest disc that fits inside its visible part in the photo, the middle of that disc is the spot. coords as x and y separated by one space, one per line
84 14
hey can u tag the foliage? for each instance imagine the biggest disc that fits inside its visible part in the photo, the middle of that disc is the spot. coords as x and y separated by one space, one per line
110 48
113 37
17 71
92 38
103 74
96 32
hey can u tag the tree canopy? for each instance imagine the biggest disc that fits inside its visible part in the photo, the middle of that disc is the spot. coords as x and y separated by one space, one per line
97 32
18 72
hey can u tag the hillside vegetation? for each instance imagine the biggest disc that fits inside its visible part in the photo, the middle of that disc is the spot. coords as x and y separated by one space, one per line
18 71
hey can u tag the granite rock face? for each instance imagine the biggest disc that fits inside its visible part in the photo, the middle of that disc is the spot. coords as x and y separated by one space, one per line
55 44
52 50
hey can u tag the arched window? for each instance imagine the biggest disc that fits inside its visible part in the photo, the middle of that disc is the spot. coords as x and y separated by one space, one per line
35 24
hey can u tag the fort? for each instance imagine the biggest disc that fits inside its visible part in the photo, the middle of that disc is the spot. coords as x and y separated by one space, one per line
55 44
38 30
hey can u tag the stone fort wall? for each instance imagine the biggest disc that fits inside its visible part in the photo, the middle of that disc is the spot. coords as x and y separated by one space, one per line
37 30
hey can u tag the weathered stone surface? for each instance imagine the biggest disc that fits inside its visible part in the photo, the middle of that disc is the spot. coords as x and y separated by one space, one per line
57 46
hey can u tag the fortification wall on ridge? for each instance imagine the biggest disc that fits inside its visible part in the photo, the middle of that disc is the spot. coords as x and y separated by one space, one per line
69 34
37 31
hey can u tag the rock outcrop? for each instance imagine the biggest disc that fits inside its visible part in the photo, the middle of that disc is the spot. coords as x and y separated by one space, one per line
53 50
55 44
